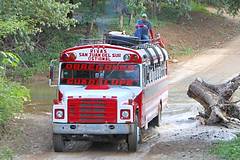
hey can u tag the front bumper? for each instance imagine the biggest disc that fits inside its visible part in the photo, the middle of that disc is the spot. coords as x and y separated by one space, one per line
95 129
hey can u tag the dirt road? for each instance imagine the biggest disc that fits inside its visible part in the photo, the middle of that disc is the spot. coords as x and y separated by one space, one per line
179 137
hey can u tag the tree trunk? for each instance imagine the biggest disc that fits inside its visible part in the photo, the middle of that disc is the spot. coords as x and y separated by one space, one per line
216 100
121 21
131 18
154 8
91 26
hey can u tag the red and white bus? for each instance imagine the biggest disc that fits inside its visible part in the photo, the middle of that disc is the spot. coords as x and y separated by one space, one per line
110 91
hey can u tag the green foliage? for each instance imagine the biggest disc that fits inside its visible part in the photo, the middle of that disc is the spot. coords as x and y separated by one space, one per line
137 6
198 7
184 8
90 11
12 96
21 23
6 154
7 59
54 41
19 20
168 13
38 13
58 40
231 6
228 150
23 74
12 26
176 8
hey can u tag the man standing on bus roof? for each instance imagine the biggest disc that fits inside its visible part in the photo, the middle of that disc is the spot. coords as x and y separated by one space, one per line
143 26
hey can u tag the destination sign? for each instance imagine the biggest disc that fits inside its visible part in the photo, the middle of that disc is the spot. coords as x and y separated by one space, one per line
100 54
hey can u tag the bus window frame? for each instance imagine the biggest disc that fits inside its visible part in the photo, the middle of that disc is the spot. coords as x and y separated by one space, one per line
140 75
154 73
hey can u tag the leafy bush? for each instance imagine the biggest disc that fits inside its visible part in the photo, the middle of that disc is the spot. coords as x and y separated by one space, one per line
12 96
58 40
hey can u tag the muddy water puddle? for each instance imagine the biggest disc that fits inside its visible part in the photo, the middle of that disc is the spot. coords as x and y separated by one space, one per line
41 97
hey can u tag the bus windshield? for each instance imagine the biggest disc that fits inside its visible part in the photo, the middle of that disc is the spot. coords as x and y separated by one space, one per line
100 74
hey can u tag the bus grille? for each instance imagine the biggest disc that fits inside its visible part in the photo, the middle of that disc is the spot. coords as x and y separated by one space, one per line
92 110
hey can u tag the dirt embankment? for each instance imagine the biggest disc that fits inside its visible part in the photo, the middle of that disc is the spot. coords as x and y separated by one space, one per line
202 32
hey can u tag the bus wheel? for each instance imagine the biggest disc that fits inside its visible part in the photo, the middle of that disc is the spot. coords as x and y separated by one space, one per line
157 120
134 136
58 143
160 114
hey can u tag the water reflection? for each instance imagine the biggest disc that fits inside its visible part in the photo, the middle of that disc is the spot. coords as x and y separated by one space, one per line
42 96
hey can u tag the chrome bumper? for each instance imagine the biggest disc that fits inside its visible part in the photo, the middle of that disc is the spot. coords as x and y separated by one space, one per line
95 129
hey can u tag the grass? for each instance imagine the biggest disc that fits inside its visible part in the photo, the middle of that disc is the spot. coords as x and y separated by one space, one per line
228 150
6 154
186 51
178 51
198 7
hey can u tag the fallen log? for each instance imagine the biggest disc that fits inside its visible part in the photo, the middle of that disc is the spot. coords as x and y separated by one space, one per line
217 102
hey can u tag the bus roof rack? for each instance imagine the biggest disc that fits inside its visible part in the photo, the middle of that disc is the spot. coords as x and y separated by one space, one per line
115 39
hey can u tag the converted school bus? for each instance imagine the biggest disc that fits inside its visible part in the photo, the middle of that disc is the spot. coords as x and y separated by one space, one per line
110 90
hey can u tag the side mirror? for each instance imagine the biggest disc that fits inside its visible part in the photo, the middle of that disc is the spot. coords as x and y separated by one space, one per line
51 73
51 76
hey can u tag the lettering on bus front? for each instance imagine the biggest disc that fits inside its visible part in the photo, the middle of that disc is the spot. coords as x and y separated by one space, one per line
98 67
88 81
100 74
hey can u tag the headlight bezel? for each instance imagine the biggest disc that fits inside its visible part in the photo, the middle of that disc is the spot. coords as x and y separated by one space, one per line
125 114
59 114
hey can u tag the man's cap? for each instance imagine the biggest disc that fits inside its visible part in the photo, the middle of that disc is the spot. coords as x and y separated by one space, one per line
144 15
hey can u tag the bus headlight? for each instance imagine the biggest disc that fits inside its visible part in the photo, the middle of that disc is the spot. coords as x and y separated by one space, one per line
59 114
125 114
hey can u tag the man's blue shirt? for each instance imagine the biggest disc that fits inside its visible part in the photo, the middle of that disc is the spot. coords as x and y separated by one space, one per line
142 29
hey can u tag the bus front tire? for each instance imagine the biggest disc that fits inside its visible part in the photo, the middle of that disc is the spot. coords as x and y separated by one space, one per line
134 136
58 143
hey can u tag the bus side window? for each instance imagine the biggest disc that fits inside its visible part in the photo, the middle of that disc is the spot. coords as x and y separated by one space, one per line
159 72
151 75
145 76
165 65
163 69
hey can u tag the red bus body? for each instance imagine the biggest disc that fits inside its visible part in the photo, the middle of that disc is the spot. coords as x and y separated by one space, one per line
94 100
